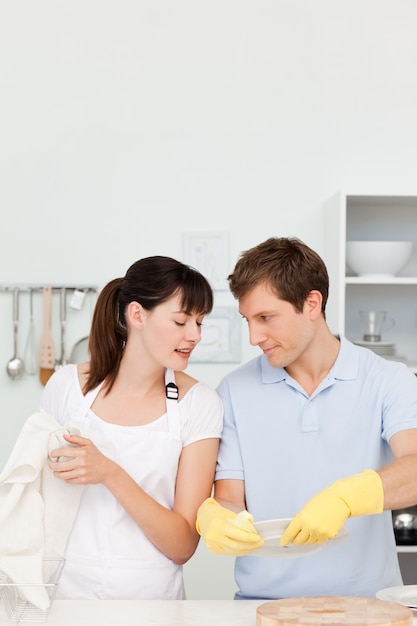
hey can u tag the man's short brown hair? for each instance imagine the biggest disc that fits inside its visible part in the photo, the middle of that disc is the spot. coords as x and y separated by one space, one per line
287 265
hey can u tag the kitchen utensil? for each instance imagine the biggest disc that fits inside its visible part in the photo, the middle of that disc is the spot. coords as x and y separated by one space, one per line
334 611
29 355
79 352
63 318
14 594
15 367
372 324
271 532
77 299
406 595
378 259
405 525
46 345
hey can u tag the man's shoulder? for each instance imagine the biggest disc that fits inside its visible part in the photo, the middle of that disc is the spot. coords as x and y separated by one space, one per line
245 374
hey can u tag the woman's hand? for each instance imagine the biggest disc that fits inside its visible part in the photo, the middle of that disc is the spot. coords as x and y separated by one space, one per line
81 462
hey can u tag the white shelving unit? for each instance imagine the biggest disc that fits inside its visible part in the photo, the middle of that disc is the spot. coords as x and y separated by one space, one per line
354 216
372 217
406 549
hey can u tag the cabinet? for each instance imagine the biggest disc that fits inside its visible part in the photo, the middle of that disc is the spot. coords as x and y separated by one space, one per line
372 217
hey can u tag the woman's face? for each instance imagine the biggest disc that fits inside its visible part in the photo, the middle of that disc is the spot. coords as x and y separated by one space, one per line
170 334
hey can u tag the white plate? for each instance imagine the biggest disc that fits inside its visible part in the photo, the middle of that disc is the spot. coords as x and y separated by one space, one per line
375 344
271 532
406 595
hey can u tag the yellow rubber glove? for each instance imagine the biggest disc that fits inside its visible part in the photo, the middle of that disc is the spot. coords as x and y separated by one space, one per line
325 514
226 532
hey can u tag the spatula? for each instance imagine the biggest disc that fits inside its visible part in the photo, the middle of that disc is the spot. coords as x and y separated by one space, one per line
46 355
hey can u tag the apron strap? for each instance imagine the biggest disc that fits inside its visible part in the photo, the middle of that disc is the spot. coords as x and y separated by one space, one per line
173 411
87 401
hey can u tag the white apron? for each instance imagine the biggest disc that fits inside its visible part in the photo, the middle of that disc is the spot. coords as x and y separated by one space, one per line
107 555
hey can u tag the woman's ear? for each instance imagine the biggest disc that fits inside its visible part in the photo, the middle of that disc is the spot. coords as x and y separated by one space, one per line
313 303
135 314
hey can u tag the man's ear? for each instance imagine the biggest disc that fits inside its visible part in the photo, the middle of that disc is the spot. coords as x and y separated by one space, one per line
135 314
313 303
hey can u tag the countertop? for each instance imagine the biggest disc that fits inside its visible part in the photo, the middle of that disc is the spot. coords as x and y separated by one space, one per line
148 612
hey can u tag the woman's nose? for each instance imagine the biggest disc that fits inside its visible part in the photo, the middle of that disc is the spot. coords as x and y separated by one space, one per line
194 333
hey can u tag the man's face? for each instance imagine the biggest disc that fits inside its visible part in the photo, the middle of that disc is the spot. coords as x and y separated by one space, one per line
281 332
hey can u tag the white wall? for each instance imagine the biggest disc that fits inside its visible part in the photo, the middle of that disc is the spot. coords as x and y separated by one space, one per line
124 124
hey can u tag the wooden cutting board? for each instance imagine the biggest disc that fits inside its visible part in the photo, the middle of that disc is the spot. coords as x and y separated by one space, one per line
333 611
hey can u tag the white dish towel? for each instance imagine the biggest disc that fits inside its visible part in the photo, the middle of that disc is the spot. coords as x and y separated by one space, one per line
37 510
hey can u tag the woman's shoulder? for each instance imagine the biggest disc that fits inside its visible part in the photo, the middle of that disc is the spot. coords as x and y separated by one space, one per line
184 383
188 385
63 376
61 390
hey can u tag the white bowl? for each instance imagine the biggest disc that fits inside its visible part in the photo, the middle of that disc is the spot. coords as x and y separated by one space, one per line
377 258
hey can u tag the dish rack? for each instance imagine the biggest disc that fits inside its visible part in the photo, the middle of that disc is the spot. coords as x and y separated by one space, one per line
17 608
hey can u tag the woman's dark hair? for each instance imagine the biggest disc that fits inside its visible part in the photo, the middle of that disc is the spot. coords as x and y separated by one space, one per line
287 265
150 281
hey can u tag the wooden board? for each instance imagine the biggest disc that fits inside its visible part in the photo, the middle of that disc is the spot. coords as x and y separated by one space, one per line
333 611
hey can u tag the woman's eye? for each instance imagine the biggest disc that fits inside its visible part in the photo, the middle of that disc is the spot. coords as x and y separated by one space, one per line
180 323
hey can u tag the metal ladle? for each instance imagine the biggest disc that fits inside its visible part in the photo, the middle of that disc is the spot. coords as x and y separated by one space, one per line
15 367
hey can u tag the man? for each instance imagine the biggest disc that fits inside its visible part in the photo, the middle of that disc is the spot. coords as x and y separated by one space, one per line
316 429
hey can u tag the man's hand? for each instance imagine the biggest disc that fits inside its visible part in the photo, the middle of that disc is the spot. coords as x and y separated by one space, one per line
325 514
226 532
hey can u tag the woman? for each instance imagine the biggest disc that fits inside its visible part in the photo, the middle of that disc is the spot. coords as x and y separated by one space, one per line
150 436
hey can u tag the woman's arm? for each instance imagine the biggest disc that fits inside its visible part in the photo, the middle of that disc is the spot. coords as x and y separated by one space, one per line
172 532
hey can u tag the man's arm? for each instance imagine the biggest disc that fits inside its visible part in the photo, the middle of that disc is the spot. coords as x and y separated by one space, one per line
224 523
399 478
230 494
370 492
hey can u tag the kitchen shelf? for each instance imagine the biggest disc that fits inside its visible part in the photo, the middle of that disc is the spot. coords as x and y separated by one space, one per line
39 287
368 217
397 280
404 549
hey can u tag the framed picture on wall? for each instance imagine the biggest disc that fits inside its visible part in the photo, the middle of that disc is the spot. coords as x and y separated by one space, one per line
220 337
208 252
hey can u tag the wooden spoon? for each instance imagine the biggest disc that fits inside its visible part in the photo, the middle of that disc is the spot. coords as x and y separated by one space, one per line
46 345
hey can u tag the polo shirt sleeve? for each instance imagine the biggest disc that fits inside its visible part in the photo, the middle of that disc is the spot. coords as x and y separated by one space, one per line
400 402
229 463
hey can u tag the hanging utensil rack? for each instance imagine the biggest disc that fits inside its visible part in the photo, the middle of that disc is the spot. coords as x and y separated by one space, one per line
39 287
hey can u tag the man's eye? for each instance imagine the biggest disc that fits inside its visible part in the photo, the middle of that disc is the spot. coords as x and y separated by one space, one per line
180 323
265 318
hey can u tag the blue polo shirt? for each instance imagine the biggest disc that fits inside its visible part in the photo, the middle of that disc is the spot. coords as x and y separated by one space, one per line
287 446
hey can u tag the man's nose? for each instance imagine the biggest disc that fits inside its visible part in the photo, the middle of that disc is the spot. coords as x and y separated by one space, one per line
256 336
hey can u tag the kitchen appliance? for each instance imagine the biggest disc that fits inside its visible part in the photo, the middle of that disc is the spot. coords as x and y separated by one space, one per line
405 525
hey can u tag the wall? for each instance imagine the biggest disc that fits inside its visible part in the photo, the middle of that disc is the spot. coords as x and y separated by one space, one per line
124 125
